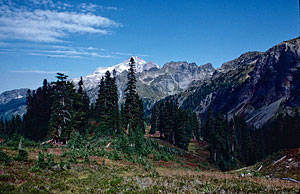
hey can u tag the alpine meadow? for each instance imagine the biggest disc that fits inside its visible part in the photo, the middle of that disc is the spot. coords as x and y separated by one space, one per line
85 109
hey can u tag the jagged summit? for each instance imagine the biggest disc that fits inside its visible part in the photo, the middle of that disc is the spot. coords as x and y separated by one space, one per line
141 65
91 80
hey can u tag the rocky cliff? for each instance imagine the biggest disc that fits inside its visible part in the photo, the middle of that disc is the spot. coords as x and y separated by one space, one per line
256 85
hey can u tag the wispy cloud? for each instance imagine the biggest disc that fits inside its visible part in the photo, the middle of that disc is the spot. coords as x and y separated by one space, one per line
90 7
50 25
75 52
56 51
130 54
35 71
70 52
42 2
55 56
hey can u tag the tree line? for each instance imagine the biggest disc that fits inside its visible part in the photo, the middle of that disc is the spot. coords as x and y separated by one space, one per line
233 142
57 109
174 124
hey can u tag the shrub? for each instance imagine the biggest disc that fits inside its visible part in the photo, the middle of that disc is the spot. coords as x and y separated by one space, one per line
86 158
4 157
50 160
73 158
22 155
114 155
156 156
61 164
41 161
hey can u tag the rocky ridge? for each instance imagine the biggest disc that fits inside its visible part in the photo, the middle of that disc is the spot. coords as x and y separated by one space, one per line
256 85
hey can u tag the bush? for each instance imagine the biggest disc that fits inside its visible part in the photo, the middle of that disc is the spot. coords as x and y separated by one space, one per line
64 165
73 158
156 156
22 156
41 161
14 142
44 162
76 141
4 157
114 155
141 161
50 160
130 158
86 158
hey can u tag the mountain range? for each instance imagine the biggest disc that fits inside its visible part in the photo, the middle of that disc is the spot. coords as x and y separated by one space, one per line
153 83
256 85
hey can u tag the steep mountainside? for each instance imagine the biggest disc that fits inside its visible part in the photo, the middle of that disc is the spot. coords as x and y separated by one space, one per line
255 85
13 102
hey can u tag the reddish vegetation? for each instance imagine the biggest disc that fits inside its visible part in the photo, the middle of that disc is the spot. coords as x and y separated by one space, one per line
2 140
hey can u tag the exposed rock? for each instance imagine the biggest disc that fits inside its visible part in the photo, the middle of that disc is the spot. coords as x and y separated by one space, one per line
256 85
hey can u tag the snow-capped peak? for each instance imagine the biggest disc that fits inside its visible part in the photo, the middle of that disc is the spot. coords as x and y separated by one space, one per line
141 65
94 78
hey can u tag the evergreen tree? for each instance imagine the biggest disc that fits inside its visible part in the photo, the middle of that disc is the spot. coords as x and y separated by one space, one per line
115 102
100 102
107 105
18 124
122 121
174 124
2 130
12 126
195 126
63 111
133 104
6 126
81 108
37 117
155 118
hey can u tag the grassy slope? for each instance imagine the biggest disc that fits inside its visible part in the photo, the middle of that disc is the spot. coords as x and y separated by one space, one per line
281 165
110 176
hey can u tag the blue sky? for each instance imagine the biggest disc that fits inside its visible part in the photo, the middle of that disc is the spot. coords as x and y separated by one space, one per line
41 37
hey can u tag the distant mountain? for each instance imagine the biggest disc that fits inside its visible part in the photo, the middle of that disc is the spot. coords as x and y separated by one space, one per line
153 83
13 102
92 80
256 85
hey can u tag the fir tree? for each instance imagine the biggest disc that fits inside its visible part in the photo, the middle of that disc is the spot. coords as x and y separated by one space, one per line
122 121
115 101
36 119
63 110
100 102
155 118
2 131
174 124
133 103
81 108
107 105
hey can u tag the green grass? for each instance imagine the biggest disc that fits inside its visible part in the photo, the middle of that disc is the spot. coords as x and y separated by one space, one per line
103 174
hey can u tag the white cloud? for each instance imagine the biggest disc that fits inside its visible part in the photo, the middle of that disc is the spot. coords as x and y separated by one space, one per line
130 54
90 7
43 2
35 71
69 52
49 25
55 55
74 52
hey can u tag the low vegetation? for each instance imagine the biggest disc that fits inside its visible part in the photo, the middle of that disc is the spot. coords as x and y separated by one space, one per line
105 169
